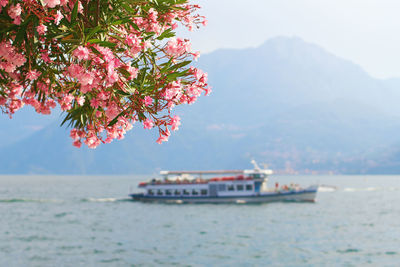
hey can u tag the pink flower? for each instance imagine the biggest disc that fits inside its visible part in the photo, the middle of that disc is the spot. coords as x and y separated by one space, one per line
176 47
148 123
92 141
14 11
152 14
164 136
8 67
66 101
51 103
41 29
192 99
207 90
3 3
18 60
68 98
33 75
17 20
16 90
106 52
132 71
51 3
81 53
146 44
94 103
86 88
175 122
96 74
80 100
42 109
58 17
148 100
132 40
63 2
194 90
102 96
112 111
45 57
75 70
173 90
77 143
74 134
3 100
15 105
86 79
199 75
196 55
112 77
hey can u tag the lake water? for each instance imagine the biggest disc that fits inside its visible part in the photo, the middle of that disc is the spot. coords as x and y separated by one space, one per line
89 221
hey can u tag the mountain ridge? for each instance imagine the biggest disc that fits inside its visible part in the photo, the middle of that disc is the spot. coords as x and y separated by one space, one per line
289 103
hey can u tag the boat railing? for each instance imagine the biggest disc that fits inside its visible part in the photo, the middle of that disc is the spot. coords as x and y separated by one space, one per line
202 172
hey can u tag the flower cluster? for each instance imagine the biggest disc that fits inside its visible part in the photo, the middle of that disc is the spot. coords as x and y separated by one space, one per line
108 64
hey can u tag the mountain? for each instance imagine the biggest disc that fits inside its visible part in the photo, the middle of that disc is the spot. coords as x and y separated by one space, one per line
289 103
24 123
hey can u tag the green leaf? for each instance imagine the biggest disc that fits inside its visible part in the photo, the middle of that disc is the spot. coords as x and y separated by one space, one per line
166 34
124 72
74 12
115 120
20 35
72 41
94 31
174 75
134 25
102 43
60 36
128 8
121 21
141 116
67 118
179 65
120 92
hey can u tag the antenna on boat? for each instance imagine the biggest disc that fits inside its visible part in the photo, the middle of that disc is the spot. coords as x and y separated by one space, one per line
256 167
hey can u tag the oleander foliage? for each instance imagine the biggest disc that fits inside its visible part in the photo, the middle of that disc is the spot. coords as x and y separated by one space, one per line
107 63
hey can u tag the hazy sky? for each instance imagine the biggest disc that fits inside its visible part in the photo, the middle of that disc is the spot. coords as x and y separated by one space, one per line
366 32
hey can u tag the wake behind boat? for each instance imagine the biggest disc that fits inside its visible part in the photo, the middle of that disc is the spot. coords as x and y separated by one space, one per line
244 186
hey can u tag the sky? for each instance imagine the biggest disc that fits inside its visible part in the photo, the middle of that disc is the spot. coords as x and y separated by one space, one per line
366 32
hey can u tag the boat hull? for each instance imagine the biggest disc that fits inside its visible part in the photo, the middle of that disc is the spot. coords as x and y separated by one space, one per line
307 195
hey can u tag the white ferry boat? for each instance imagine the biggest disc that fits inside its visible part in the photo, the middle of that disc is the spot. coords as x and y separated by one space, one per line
243 186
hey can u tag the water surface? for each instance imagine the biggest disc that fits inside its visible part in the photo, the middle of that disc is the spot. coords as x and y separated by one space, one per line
89 221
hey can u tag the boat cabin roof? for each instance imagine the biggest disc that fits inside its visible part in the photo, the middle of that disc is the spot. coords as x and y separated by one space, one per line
186 178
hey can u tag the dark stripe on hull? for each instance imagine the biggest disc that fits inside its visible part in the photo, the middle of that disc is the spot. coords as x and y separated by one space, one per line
303 196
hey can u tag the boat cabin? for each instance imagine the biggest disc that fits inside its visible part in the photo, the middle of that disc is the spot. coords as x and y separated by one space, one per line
185 185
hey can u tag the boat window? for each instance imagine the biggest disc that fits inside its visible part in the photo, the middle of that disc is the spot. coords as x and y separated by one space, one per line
239 187
203 192
249 187
231 187
258 175
222 187
186 192
177 192
195 192
150 192
159 192
168 192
